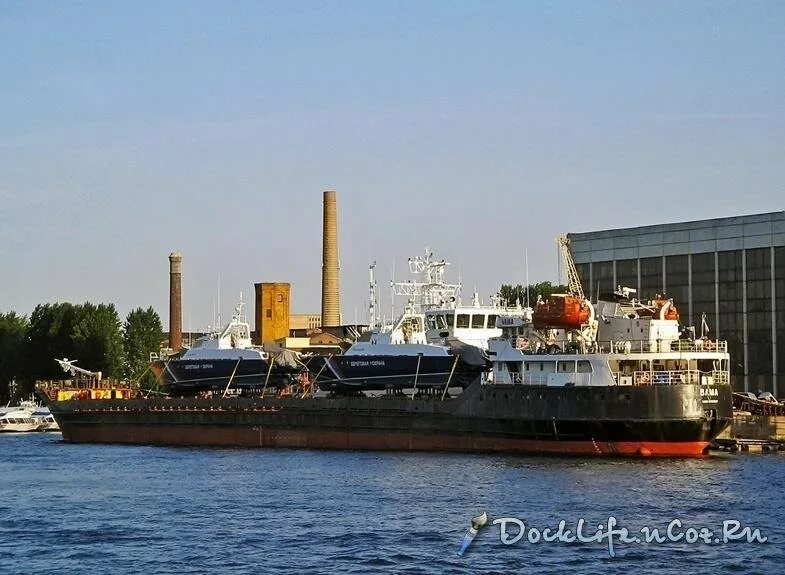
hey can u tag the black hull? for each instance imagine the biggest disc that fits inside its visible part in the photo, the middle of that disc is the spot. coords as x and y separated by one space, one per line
347 373
663 421
184 376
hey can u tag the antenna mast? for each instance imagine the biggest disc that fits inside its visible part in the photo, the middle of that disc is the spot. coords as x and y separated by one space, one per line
526 253
373 295
432 292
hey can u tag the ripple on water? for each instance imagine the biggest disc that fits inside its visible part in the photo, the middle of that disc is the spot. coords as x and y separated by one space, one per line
130 509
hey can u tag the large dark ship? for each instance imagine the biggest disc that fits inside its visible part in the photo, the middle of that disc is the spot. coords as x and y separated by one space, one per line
660 396
622 380
644 420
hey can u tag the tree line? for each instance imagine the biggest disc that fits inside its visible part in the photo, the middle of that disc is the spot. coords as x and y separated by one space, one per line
513 294
90 333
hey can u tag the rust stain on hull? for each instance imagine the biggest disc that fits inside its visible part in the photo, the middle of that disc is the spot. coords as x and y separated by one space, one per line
267 437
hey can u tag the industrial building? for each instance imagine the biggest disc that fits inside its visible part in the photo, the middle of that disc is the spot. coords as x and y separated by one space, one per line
303 322
271 311
730 269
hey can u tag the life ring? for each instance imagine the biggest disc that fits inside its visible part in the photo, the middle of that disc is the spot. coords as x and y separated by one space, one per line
644 378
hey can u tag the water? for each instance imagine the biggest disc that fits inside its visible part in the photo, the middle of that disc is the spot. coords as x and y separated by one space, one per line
128 509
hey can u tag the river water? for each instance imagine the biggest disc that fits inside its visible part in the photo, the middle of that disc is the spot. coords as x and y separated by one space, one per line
134 509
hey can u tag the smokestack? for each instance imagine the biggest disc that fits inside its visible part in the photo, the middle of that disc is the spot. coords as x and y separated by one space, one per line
331 304
175 301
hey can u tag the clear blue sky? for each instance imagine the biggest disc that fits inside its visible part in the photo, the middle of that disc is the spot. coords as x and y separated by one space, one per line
479 129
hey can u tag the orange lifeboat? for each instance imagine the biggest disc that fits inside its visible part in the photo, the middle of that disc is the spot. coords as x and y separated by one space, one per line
665 308
561 311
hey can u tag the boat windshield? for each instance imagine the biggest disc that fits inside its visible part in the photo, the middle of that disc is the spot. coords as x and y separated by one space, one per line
437 321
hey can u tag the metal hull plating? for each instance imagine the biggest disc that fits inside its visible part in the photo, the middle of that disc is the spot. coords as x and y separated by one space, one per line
379 372
650 421
194 375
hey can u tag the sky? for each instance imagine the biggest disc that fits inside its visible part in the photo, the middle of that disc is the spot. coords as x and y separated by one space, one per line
481 130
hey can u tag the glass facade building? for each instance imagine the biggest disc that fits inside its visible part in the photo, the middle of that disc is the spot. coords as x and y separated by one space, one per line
730 269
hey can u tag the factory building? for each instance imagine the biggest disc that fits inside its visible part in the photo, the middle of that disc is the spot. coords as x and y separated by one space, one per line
730 269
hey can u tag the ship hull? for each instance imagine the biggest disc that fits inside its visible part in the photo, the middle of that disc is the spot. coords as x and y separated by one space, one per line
344 373
271 437
188 376
651 421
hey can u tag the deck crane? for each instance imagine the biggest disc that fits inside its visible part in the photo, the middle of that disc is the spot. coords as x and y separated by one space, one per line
573 280
69 367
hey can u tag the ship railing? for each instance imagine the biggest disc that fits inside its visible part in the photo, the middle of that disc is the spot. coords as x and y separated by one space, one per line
662 346
671 377
657 377
530 378
84 383
700 345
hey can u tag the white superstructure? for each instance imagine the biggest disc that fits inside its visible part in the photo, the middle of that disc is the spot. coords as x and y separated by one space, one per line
19 420
630 349
232 342
434 311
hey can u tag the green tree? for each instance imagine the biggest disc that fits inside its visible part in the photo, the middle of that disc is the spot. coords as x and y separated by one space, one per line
512 294
87 332
97 339
142 335
49 337
13 329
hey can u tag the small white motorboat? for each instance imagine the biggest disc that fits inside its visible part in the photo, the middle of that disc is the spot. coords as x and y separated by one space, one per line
19 420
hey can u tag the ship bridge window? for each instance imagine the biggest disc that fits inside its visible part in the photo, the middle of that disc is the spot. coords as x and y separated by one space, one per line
445 321
491 321
584 366
545 366
437 321
478 321
566 367
462 320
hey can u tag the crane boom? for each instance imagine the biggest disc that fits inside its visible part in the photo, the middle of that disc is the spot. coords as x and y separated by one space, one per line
573 279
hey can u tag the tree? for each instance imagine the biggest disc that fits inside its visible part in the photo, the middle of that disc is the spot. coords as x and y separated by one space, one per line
98 342
142 335
49 337
13 329
87 332
513 294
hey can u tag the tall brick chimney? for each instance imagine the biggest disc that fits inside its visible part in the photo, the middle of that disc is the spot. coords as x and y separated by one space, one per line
175 301
331 304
